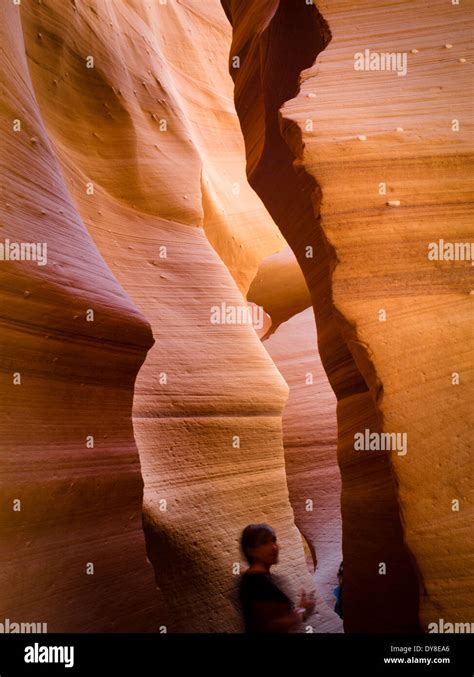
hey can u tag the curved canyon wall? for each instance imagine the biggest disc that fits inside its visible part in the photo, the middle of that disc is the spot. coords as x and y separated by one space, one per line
362 170
310 441
73 554
130 164
142 430
309 417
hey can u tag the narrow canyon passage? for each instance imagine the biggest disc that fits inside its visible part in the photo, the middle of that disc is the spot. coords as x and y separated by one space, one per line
310 443
208 401
268 76
309 418
184 163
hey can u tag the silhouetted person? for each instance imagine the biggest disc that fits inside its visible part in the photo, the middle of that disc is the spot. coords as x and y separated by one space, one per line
338 591
265 607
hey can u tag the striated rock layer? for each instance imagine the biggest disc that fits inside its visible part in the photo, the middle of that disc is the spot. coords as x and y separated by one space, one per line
310 441
280 288
309 417
66 384
368 168
132 168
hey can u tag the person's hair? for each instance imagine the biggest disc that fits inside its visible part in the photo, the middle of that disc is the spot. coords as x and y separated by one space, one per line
254 535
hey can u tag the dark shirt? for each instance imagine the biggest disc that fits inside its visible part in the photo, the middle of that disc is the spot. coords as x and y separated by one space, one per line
258 587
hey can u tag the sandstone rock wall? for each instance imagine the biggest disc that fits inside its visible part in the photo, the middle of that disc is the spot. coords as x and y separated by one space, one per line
64 380
139 437
310 441
139 166
393 327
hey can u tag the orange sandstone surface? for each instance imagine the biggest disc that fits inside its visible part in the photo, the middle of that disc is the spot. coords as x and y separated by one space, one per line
363 170
130 164
143 428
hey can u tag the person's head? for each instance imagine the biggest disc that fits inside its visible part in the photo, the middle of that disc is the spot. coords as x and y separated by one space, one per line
340 572
259 544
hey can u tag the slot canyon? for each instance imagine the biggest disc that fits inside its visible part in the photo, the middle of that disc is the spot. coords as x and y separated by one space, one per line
215 277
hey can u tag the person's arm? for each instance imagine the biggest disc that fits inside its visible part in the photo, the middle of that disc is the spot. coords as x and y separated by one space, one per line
307 603
275 617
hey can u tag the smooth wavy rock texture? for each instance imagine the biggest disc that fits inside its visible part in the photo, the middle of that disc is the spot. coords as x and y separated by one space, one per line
130 164
236 221
367 168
